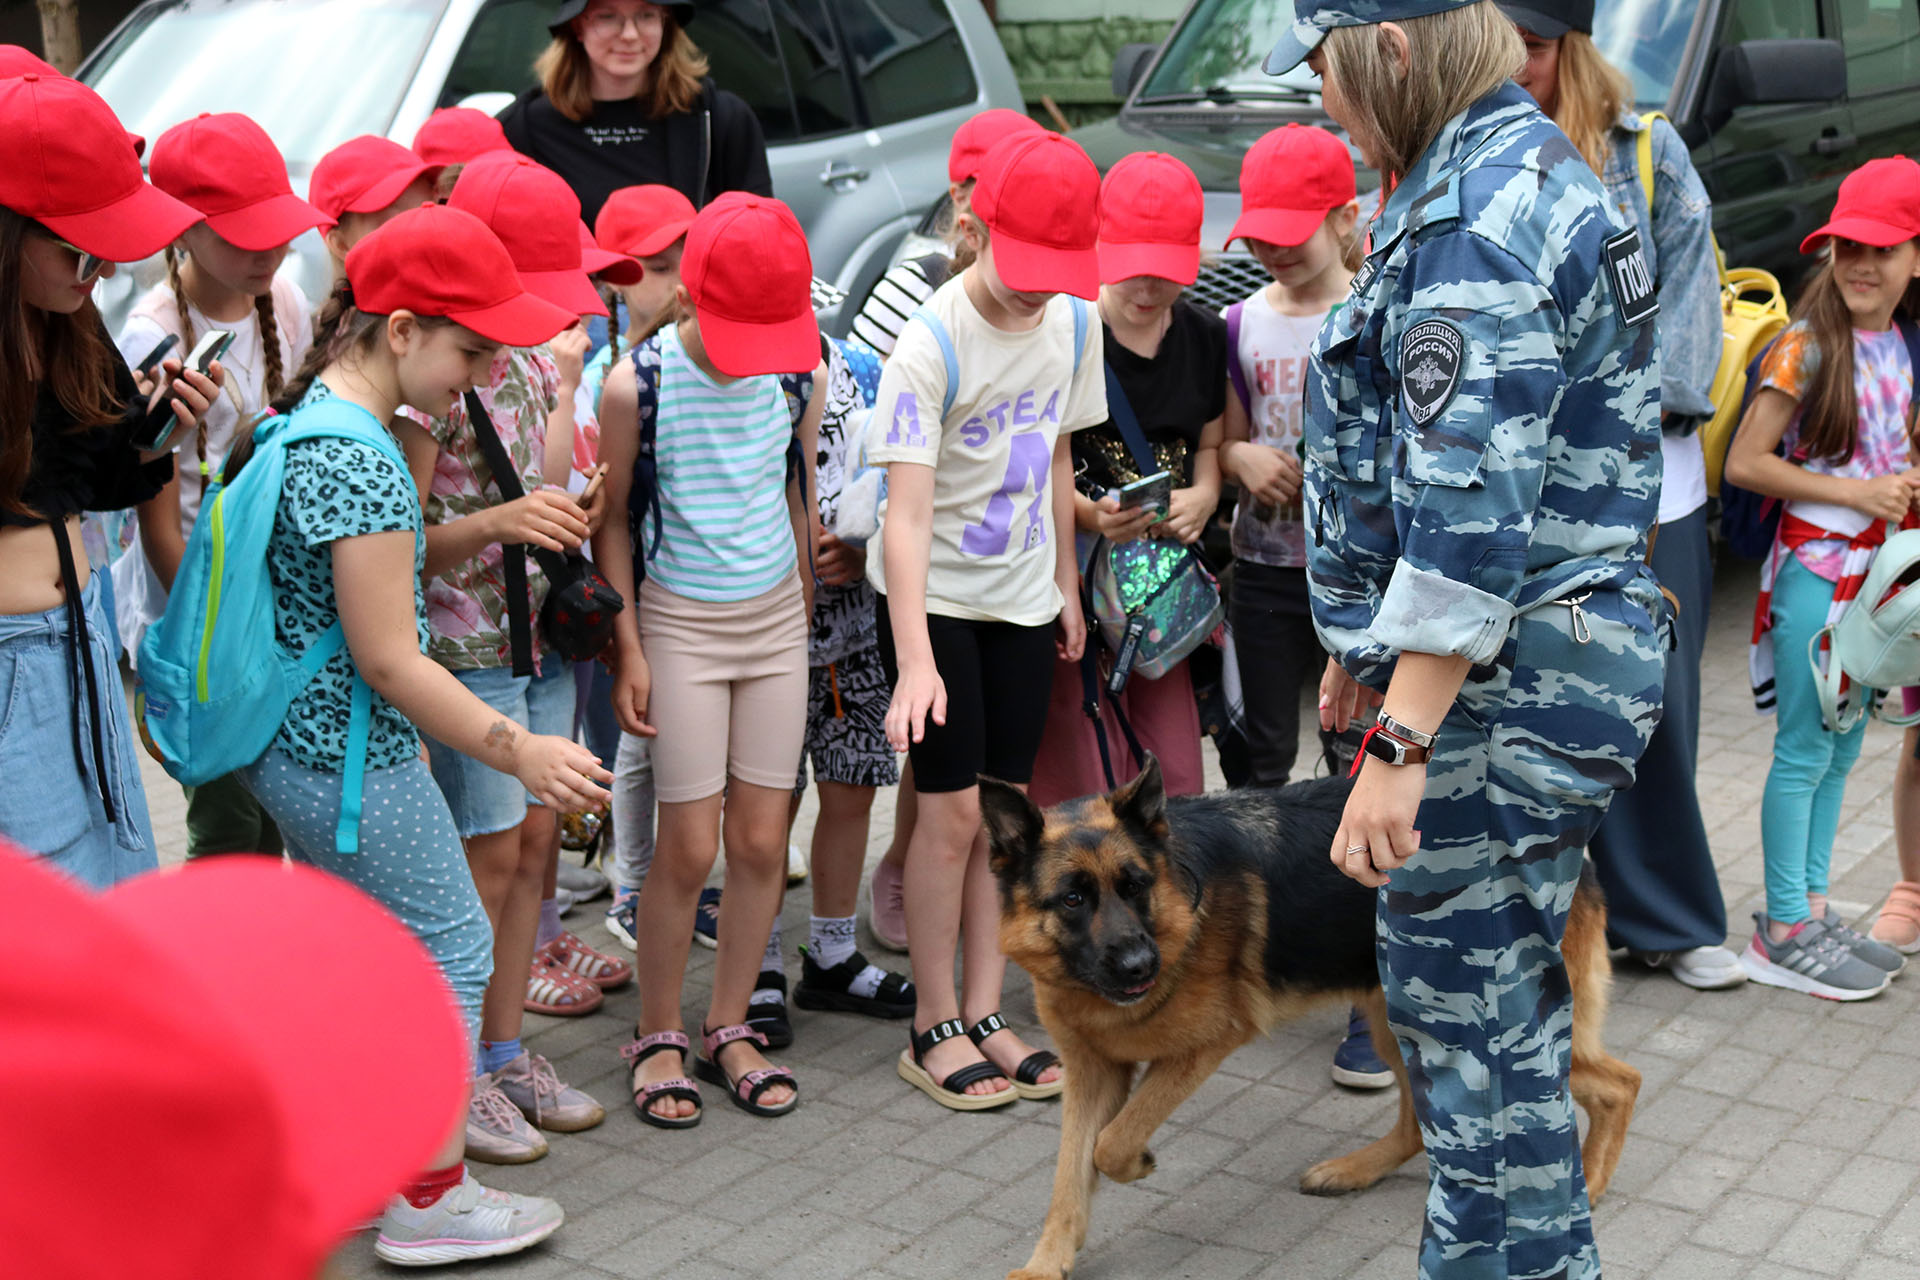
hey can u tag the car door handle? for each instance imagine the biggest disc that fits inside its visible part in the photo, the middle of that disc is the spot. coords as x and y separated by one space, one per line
842 176
1833 142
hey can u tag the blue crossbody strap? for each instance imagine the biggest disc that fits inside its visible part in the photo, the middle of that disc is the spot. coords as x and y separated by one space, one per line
951 358
1121 410
1079 308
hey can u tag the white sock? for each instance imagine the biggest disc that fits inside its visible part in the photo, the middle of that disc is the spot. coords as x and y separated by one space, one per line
772 961
831 942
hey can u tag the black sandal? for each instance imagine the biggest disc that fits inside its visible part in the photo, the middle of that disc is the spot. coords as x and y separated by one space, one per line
769 1017
951 1092
745 1091
1026 1076
646 1095
831 989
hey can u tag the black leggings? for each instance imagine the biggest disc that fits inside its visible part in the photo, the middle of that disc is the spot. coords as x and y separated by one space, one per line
1278 651
999 677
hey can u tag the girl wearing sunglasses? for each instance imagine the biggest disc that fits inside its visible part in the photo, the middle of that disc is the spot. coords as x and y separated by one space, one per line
72 423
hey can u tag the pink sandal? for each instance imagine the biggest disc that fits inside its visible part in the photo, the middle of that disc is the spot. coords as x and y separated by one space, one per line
570 953
744 1092
559 992
1902 910
644 1096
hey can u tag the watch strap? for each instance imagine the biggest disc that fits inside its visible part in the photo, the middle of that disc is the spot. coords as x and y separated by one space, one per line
1407 734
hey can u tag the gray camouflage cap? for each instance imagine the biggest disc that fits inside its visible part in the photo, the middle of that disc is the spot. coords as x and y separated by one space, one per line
1312 19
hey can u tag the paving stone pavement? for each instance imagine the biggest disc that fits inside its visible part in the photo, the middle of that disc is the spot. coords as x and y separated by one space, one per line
1777 1135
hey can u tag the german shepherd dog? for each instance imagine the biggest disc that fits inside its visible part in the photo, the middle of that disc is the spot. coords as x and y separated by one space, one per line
1171 932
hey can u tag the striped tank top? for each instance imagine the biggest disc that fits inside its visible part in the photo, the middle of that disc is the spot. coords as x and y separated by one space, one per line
721 453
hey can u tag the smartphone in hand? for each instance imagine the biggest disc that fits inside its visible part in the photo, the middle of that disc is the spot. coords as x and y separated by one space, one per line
1154 493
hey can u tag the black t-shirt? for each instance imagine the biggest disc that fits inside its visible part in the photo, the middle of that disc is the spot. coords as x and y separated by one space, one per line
93 470
1174 395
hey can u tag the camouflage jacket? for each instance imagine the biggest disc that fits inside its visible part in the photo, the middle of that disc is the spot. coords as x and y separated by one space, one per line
1483 418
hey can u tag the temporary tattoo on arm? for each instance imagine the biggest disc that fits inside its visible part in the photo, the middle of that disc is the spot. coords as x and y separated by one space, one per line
501 736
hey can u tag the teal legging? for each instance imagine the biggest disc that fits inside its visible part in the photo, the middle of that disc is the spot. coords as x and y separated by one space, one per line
1800 810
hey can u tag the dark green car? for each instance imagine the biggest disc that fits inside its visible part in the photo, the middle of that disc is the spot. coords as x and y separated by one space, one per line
1779 100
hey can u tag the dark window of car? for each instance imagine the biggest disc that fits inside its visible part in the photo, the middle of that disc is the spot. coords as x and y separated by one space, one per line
497 55
737 37
1882 39
1773 20
815 69
910 58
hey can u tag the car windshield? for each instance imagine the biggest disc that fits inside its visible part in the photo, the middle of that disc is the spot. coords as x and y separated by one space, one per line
1216 52
354 60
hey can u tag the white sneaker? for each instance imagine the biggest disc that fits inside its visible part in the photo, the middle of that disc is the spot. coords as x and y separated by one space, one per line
796 864
1702 968
496 1131
470 1221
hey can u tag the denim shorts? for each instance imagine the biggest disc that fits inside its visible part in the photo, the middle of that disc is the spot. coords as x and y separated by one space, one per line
49 805
484 800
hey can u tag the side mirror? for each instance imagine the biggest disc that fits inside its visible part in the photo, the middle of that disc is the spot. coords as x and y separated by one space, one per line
1129 65
1764 72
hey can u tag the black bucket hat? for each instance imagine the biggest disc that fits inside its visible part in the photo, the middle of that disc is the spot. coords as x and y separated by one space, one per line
682 11
1551 19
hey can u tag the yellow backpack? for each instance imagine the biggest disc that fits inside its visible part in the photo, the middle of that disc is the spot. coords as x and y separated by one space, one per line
1753 309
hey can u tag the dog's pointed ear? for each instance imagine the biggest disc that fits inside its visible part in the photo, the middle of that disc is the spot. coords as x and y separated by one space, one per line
1013 825
1142 803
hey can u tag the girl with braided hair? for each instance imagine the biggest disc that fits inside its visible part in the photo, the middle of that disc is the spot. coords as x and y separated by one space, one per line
220 275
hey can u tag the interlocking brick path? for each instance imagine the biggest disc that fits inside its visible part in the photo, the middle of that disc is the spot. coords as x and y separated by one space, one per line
1777 1135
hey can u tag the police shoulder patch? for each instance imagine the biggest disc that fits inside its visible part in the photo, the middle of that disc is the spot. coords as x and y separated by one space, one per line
1431 355
1632 281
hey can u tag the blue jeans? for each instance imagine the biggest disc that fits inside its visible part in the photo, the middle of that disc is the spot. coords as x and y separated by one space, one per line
410 861
50 799
1800 808
484 800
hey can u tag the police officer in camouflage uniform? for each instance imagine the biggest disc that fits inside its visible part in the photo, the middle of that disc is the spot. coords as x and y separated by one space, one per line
1483 467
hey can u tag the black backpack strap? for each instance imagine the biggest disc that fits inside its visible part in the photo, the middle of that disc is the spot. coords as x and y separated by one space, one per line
513 556
800 388
643 499
1120 409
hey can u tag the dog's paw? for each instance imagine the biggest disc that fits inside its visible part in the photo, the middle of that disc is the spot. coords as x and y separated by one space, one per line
1334 1178
1129 1166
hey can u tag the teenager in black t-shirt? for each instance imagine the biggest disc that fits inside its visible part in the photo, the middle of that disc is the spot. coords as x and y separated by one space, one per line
624 99
1169 360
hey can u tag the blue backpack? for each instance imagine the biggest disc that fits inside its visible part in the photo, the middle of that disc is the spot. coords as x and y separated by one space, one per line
1749 521
215 682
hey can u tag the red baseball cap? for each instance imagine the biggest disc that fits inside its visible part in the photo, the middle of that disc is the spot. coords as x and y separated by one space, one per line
65 163
457 135
15 61
981 134
1039 195
537 217
198 1132
1290 181
1151 208
364 175
747 269
1879 204
441 261
228 168
614 268
641 221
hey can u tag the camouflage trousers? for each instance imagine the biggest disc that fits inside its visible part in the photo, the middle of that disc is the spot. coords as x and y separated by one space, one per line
1470 931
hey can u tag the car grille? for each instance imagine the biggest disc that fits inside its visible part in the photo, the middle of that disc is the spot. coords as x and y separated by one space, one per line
1226 278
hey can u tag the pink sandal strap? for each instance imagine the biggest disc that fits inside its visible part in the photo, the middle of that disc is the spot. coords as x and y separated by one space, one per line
754 1083
643 1047
716 1040
679 1085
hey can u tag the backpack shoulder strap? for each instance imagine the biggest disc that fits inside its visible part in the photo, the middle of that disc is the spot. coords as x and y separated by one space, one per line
1121 410
1910 334
345 420
948 355
1079 309
1235 374
1643 154
643 503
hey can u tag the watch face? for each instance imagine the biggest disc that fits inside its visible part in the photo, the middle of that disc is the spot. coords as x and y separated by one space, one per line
1386 748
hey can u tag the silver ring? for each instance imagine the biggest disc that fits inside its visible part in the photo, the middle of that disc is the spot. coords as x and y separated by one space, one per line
1356 848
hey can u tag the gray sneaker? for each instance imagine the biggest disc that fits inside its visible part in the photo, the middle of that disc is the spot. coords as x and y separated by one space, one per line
584 883
496 1131
530 1083
1814 960
470 1221
1874 952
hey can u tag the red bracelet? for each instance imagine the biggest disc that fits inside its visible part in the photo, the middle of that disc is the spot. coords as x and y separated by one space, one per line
1361 754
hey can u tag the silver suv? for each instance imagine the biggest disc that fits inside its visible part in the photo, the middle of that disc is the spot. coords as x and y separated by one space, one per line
858 98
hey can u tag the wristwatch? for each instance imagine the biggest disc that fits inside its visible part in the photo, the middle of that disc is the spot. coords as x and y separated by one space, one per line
1411 736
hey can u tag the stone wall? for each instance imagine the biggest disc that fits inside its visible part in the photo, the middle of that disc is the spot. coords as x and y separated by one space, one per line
1063 49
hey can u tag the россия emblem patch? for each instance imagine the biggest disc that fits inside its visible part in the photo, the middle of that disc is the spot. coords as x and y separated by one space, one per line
1431 355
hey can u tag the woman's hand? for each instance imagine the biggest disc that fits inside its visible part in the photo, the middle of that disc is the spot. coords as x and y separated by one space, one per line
1376 834
192 392
569 349
1884 497
1071 643
839 564
1119 526
1189 511
918 693
1270 475
1342 698
560 773
547 518
632 687
594 509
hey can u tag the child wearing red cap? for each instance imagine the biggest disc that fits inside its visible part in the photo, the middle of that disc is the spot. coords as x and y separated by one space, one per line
221 274
1168 357
428 301
1828 433
715 662
978 577
458 135
72 202
362 183
511 837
